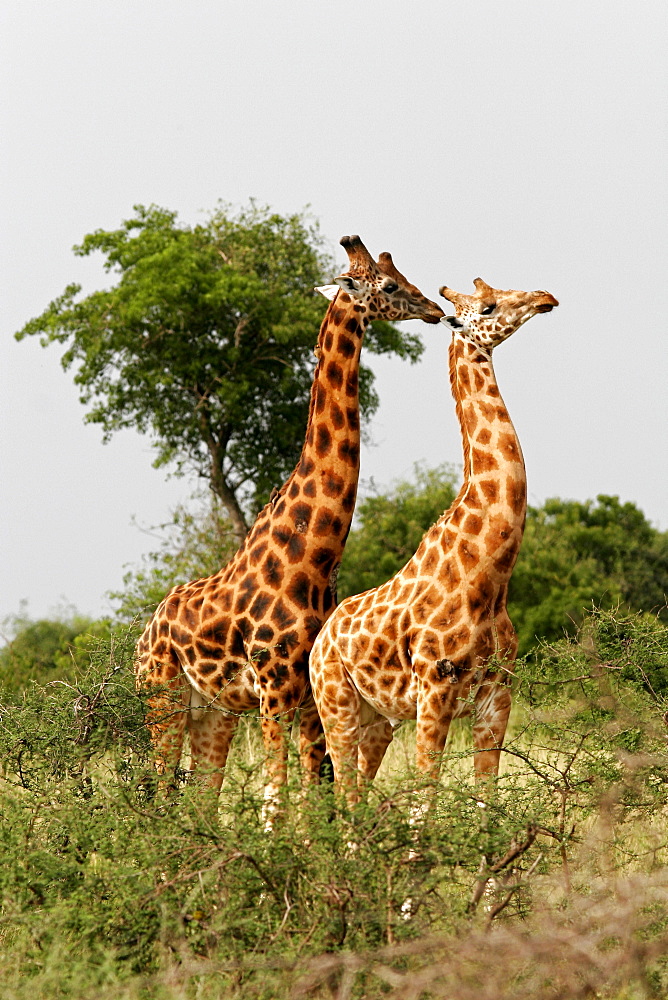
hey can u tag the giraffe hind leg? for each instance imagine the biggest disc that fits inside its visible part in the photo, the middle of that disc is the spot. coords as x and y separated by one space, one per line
311 742
375 738
211 731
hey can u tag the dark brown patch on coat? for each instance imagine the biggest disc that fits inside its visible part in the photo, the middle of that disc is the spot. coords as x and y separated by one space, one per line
350 453
508 447
299 590
312 625
345 346
348 500
332 484
265 633
468 554
272 571
336 416
483 461
515 495
323 440
257 552
247 589
473 524
306 467
258 608
323 559
281 616
334 374
490 489
296 548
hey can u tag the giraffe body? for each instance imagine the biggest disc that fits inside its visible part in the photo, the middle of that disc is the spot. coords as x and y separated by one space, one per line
240 639
435 642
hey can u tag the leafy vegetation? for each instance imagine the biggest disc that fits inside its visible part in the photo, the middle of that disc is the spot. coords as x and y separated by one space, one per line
390 527
557 887
574 555
45 650
549 883
205 343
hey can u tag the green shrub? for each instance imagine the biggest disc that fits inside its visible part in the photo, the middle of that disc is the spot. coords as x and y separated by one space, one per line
108 889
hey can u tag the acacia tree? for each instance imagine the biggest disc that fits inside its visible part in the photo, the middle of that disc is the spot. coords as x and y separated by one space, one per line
205 343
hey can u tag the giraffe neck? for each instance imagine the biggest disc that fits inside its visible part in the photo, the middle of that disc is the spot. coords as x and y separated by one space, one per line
492 451
483 528
329 462
312 512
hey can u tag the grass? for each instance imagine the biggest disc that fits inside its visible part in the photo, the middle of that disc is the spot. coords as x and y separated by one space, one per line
556 889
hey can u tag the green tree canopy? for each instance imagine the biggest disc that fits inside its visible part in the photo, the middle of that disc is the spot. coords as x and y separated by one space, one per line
390 526
205 343
574 554
46 649
195 543
578 554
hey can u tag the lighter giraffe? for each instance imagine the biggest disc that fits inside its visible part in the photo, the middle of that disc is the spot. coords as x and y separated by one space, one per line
435 641
241 638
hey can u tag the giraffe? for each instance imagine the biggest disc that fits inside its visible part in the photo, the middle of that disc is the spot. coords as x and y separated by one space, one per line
241 638
435 641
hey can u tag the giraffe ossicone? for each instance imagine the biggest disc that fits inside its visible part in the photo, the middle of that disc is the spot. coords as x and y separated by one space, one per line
435 641
240 639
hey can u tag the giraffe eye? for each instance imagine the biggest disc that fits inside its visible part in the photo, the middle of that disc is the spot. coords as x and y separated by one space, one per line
390 287
488 310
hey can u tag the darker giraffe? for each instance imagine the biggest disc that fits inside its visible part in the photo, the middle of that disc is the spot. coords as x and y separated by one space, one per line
436 639
241 638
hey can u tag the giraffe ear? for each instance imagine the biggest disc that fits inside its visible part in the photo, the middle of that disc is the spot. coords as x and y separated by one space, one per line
349 284
329 291
451 322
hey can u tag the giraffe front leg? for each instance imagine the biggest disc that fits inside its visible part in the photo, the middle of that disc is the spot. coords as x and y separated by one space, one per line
492 709
435 710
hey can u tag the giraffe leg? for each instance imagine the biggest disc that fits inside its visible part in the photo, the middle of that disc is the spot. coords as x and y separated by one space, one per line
342 730
211 732
493 701
375 738
274 736
167 711
311 742
435 710
492 709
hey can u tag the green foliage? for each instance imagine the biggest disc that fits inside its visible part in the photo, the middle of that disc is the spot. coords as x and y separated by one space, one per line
46 650
195 543
574 555
110 890
390 526
577 554
205 342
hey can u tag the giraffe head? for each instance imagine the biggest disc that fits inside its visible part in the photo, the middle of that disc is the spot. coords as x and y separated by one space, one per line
382 291
491 315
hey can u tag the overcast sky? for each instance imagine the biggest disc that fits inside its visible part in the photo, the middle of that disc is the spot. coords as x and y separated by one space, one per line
516 140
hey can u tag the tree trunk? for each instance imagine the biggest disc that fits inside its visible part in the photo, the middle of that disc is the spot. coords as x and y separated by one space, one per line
219 484
229 501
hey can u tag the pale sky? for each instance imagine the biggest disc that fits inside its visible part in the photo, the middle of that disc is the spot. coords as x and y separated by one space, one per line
521 141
